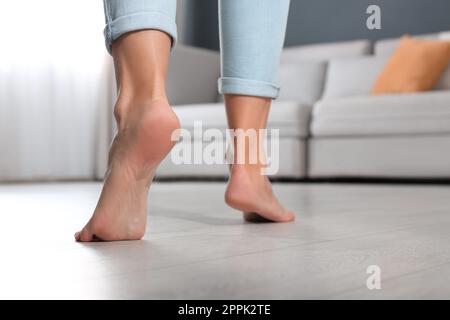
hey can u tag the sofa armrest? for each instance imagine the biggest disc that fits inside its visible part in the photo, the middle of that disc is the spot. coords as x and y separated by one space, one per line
192 76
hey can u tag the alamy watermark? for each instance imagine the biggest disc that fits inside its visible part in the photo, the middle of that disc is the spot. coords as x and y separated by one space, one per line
214 146
374 279
373 21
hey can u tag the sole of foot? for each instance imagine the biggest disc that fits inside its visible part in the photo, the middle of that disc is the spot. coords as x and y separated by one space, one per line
137 150
252 194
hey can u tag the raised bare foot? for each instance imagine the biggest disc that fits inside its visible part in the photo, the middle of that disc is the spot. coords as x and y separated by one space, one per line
141 144
251 193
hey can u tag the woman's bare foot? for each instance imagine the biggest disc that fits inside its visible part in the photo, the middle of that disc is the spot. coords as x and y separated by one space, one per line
142 142
251 193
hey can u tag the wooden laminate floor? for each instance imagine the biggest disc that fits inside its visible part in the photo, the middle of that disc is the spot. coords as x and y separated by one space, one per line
198 248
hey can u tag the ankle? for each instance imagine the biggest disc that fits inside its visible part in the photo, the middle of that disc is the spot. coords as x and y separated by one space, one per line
253 171
125 106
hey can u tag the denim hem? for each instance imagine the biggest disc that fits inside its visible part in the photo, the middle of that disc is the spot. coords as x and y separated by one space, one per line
140 21
247 87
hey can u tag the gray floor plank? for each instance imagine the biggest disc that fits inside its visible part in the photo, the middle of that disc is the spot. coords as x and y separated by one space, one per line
197 247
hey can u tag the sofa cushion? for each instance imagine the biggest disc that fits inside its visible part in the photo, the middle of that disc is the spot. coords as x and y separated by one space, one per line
444 35
408 114
388 46
192 76
444 81
301 81
415 66
326 51
291 118
352 76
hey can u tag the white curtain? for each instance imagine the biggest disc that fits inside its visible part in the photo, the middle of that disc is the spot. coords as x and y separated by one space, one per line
56 90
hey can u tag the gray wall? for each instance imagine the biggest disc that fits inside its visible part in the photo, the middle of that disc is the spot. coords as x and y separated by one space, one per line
200 26
312 21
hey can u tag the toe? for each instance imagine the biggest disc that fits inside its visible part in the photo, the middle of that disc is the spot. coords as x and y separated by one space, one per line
290 216
85 235
77 236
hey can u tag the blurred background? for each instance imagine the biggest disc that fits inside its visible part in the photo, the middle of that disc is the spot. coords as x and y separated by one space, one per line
56 78
316 21
57 93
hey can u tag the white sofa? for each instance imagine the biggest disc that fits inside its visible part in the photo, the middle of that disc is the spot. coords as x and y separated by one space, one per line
329 124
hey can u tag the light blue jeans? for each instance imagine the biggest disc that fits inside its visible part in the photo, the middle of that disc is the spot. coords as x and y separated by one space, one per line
251 37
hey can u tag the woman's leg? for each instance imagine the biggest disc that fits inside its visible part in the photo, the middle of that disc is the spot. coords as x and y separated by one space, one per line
251 36
139 34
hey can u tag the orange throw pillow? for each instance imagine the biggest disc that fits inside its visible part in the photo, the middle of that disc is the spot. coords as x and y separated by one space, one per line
416 65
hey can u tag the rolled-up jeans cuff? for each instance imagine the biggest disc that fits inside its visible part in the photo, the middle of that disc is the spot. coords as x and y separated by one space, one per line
140 21
247 87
